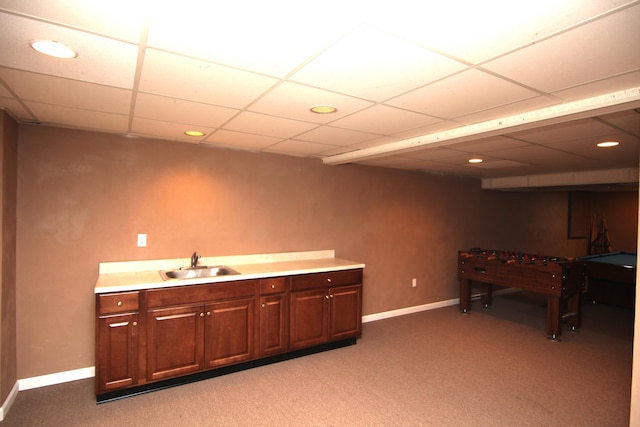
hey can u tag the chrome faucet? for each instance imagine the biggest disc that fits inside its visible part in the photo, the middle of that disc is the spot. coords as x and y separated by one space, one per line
194 260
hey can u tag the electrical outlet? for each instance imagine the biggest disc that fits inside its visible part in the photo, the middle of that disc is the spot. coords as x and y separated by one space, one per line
414 283
142 240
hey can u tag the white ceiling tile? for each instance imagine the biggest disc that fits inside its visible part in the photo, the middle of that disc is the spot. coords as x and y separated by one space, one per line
336 150
462 94
294 101
259 37
496 164
628 121
70 93
335 136
100 60
122 19
476 31
608 85
384 120
181 111
436 126
184 78
233 139
374 65
197 64
578 56
301 148
626 154
166 130
391 161
4 92
78 118
509 110
487 145
16 109
435 153
536 154
261 124
578 129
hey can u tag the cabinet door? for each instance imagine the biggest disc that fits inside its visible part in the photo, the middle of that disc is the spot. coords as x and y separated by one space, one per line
345 312
175 338
273 323
308 319
229 333
117 352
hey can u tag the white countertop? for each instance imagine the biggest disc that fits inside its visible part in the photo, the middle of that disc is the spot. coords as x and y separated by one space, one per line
140 275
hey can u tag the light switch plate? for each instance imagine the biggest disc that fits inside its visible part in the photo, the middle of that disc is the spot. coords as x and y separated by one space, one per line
142 240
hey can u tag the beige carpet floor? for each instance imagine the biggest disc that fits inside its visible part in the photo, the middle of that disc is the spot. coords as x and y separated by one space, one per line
435 368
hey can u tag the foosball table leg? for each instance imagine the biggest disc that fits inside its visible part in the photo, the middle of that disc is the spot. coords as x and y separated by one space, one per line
487 298
465 296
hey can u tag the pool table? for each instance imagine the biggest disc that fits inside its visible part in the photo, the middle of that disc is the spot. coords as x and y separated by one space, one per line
611 278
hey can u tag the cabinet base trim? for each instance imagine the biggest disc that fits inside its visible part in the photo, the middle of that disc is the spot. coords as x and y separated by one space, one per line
173 382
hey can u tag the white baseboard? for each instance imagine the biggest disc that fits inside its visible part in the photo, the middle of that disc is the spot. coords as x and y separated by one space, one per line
89 372
6 405
57 378
430 306
409 310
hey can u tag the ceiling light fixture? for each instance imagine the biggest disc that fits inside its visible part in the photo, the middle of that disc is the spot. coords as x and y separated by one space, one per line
475 160
53 48
324 109
194 133
608 144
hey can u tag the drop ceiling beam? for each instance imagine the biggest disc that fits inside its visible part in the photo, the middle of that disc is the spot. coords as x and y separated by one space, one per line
588 107
596 177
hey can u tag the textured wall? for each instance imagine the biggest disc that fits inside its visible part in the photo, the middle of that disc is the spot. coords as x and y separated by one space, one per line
83 197
8 208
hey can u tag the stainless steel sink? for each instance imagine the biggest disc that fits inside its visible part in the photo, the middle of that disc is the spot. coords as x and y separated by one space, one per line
197 272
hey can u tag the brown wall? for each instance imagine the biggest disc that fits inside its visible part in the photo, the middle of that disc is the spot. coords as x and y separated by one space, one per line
620 210
8 172
83 197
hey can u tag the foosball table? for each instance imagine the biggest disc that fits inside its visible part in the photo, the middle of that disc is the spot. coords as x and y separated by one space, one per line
561 279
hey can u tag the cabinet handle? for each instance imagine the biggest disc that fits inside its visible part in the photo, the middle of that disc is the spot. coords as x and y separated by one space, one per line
273 286
329 280
119 303
264 305
326 296
208 313
135 323
331 296
201 314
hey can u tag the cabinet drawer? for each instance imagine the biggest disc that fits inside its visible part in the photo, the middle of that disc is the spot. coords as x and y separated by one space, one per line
118 303
333 278
275 285
201 293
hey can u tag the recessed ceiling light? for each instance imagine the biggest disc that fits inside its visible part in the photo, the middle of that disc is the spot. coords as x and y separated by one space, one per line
608 144
194 133
53 48
324 109
475 160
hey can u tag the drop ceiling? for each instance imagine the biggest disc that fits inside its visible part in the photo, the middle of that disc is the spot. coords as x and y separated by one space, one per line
529 87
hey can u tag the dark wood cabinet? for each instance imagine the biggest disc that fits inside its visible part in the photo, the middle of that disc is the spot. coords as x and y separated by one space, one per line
217 329
325 307
175 341
309 318
117 326
229 332
345 310
161 334
117 352
273 334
